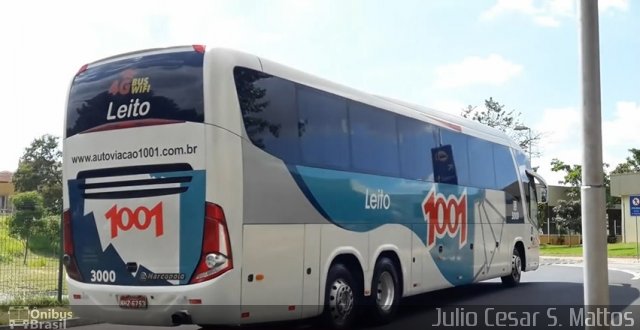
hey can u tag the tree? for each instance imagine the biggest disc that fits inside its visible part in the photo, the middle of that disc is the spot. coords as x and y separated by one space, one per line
568 213
632 163
28 208
572 173
40 169
495 115
573 177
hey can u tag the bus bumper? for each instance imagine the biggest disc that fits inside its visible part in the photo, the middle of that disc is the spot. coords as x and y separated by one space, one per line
204 303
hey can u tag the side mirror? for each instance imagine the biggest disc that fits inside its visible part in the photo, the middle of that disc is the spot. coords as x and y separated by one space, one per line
543 195
541 187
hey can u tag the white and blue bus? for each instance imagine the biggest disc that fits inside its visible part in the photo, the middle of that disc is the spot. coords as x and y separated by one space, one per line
217 187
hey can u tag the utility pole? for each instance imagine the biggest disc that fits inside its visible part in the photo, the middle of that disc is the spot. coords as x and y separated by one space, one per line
596 278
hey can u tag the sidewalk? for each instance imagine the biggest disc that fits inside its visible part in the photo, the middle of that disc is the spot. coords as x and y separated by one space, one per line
628 265
567 259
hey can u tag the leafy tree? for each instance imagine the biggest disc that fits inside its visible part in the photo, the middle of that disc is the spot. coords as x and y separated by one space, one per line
573 177
632 163
40 169
572 173
568 214
28 208
568 211
495 115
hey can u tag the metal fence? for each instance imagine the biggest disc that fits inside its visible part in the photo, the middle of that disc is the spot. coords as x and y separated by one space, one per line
29 274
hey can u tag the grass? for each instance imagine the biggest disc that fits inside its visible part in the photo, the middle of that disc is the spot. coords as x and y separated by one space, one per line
617 250
38 278
10 247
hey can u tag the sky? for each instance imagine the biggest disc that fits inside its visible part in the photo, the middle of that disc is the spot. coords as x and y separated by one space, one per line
444 54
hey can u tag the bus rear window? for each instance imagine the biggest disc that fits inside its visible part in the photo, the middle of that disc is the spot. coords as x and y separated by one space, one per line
156 88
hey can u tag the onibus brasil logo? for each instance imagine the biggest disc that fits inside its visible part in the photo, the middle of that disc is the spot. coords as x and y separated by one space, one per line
22 317
445 216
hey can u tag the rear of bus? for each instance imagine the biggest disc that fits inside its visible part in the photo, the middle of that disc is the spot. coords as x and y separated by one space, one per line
142 243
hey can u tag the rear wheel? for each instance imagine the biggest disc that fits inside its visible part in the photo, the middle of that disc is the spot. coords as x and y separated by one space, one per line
516 270
342 298
385 289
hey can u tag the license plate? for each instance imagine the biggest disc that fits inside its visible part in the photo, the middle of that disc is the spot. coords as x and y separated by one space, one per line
133 302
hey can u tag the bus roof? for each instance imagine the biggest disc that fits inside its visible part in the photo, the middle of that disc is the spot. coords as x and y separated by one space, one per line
423 113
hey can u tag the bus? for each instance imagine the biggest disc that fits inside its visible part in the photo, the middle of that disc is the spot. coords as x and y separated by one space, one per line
214 187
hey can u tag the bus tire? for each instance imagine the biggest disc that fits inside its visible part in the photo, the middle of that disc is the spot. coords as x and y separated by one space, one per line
385 291
342 298
516 270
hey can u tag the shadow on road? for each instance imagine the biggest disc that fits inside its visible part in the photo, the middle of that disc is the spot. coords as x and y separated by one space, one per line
422 311
563 300
530 293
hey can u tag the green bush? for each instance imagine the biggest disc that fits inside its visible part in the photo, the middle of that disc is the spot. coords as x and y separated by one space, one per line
46 239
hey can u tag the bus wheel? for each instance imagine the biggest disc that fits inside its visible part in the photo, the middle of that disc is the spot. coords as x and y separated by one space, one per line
516 270
341 298
385 289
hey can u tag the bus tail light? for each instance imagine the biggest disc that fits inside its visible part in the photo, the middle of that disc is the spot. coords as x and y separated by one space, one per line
199 48
69 259
215 257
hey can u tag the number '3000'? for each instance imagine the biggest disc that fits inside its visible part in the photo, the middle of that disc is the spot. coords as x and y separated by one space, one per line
105 276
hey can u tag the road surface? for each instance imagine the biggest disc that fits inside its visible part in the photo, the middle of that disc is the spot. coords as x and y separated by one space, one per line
554 292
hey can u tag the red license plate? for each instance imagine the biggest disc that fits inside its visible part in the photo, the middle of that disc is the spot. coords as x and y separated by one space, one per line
133 302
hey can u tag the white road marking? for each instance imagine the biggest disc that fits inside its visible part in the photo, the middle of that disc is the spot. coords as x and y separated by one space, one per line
636 275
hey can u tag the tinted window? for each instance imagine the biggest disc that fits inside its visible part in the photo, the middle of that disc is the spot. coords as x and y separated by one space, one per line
416 140
481 168
269 113
523 164
158 86
458 143
323 128
532 198
504 167
374 140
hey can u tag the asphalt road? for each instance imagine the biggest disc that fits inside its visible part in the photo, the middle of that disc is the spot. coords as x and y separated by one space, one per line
554 292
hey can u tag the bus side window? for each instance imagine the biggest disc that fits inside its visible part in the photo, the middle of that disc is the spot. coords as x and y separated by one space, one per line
323 129
458 143
533 199
505 171
374 140
269 113
481 164
416 139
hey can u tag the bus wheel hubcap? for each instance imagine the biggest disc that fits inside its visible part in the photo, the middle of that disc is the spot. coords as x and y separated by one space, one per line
516 267
340 300
385 292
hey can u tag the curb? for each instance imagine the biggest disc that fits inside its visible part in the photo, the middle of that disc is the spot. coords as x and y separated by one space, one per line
73 322
546 261
568 259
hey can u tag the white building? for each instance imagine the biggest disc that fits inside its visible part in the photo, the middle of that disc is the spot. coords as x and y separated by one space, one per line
624 186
